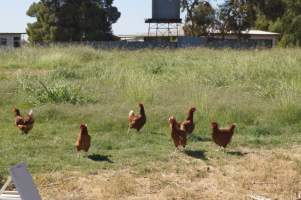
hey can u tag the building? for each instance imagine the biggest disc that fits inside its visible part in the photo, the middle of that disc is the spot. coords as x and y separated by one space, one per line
261 38
251 38
11 40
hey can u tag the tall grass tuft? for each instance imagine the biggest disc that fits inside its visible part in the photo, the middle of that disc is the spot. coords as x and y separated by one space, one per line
42 91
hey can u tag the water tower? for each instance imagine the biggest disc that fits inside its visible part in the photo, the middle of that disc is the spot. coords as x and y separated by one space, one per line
165 19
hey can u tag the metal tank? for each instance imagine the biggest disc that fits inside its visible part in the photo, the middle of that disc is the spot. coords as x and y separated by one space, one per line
166 9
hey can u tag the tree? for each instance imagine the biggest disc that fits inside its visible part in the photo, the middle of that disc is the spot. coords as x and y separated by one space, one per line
44 29
236 16
295 31
290 24
282 16
188 6
202 18
72 20
233 15
270 9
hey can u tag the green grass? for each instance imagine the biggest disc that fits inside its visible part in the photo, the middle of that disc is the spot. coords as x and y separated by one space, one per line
258 90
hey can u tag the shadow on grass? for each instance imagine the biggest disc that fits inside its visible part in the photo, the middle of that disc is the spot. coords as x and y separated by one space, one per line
100 158
236 153
155 133
198 154
196 138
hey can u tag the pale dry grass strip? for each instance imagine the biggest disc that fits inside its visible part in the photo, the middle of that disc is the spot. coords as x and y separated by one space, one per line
262 173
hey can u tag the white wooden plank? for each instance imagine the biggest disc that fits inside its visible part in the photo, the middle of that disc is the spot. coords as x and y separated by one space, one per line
24 183
10 195
5 185
256 197
10 192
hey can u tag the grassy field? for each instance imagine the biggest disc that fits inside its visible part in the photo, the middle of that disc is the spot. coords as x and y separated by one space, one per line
258 90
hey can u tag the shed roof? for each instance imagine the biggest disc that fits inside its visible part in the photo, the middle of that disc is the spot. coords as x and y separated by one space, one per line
259 32
12 33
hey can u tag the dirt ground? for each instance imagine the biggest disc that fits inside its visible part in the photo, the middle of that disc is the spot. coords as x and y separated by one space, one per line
274 174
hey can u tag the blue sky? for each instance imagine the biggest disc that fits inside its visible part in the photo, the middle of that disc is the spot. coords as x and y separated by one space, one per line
13 15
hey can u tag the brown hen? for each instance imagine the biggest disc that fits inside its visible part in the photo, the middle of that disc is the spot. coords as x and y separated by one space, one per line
25 124
178 136
188 124
137 121
83 141
222 136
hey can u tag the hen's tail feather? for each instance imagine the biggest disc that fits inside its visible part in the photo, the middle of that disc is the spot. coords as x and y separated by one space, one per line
131 113
30 112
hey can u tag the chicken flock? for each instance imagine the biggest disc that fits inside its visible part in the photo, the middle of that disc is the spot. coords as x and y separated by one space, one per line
179 130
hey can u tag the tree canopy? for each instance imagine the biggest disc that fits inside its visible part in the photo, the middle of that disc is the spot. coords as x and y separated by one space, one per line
282 16
72 20
236 16
232 15
201 20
